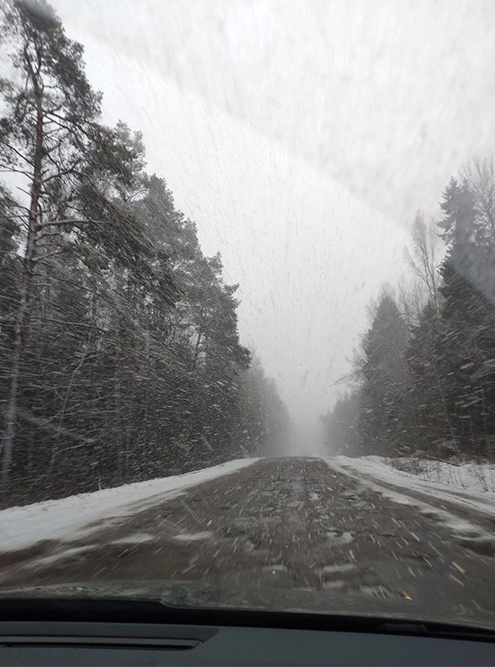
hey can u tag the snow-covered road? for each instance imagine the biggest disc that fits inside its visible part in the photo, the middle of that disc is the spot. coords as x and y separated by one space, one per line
344 535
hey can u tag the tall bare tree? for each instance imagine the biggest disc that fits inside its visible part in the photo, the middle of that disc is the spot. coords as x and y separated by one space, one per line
424 256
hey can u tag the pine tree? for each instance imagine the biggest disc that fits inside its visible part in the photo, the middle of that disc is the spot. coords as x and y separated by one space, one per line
341 426
49 120
468 317
432 427
385 381
263 424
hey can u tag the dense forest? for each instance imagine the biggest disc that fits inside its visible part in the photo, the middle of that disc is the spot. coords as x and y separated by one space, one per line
423 378
120 357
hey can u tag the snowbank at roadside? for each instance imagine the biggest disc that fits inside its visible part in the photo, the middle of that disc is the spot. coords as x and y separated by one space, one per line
380 470
21 527
469 476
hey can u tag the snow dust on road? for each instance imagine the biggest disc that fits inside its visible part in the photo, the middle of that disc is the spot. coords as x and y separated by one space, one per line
290 533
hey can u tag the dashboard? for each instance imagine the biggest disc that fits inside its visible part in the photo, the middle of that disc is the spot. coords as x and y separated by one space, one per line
68 636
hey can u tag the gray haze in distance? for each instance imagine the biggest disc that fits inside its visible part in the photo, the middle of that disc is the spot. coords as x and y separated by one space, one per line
301 137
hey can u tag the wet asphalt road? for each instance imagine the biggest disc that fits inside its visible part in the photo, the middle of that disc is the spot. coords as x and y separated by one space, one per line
289 533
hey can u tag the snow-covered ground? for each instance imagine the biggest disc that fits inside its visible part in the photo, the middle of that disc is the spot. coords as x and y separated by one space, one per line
464 489
20 527
470 476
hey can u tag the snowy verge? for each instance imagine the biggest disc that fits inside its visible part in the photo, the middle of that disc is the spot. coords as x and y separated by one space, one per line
477 477
66 518
376 469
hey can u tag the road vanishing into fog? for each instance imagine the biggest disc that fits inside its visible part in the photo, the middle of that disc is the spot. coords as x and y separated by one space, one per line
293 533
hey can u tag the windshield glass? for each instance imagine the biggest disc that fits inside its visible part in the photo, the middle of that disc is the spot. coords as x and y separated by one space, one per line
247 304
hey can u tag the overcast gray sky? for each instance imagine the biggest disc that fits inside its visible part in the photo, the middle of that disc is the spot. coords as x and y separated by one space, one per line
301 136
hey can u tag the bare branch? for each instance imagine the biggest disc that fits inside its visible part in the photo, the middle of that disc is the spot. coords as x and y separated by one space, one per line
65 172
14 150
49 254
70 221
49 235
